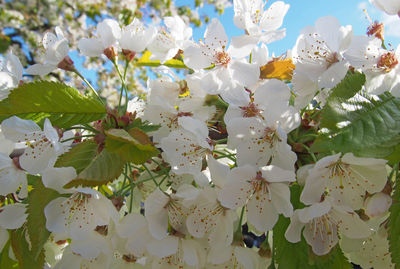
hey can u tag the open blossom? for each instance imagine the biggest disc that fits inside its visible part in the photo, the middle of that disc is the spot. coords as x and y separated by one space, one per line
80 213
208 217
135 37
270 103
107 34
345 179
42 147
261 24
229 75
186 147
161 209
380 66
322 222
56 54
169 100
169 41
265 193
258 144
318 56
10 74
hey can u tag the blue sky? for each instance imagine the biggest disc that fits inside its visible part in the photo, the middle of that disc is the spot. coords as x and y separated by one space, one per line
305 12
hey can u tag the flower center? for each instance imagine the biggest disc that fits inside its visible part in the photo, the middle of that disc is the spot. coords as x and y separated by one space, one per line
270 136
129 258
388 61
376 29
260 184
338 170
251 110
222 58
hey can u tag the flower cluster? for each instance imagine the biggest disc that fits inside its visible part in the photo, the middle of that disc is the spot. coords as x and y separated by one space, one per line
172 179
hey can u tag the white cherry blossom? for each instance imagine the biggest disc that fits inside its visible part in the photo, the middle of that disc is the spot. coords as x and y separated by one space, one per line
229 76
186 147
260 24
264 191
80 213
345 179
209 218
161 210
168 101
107 34
135 37
270 103
169 41
380 66
257 143
318 56
322 222
42 147
55 56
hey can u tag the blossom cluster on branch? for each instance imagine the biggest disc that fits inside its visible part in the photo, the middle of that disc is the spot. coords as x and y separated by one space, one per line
300 152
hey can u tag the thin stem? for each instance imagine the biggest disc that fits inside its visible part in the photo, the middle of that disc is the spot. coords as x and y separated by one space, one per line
163 169
82 128
125 177
310 152
76 137
88 83
223 154
221 141
162 180
151 175
239 228
122 81
395 168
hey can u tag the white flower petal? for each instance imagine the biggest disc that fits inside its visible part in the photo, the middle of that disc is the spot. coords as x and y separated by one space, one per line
12 216
163 248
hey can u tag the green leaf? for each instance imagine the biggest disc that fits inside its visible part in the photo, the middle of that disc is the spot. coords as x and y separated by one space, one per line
26 258
394 226
372 131
346 89
5 260
79 157
395 156
102 169
133 146
63 105
38 199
